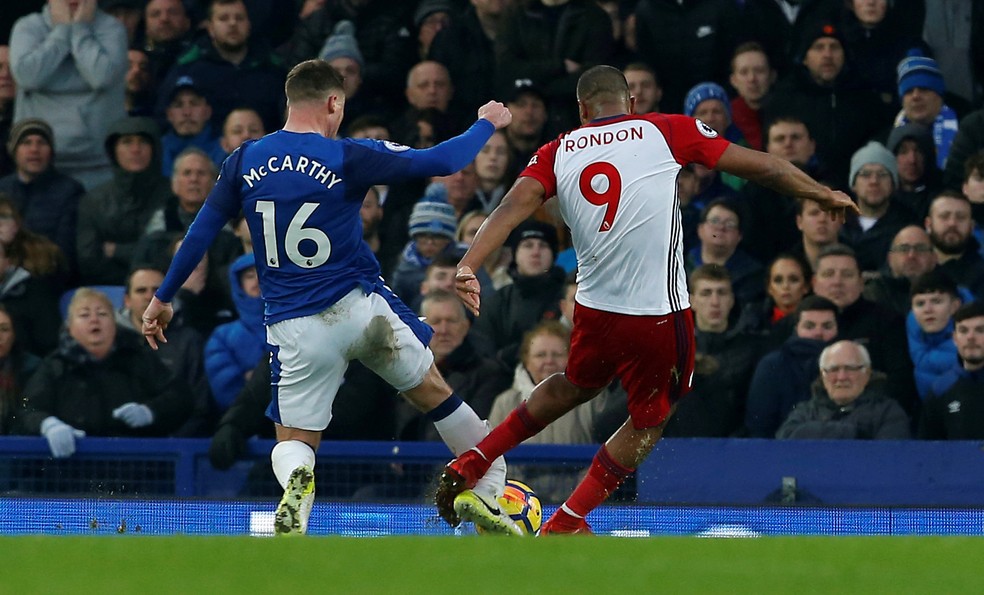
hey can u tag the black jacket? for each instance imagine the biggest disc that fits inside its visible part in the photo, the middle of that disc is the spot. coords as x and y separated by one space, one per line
83 393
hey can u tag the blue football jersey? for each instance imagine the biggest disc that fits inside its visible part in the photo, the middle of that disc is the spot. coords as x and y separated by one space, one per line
300 194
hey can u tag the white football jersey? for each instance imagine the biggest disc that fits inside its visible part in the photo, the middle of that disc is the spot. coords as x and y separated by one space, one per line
615 179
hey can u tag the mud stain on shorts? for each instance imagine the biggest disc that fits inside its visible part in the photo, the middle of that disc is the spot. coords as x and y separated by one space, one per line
378 343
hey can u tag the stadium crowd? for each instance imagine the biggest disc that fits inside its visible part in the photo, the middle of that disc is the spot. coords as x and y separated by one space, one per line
116 114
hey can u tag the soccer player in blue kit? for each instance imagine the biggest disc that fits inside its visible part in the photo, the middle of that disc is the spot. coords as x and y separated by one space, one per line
300 191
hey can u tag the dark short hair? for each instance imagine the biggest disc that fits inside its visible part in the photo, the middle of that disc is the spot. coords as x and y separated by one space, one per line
974 163
972 310
725 203
786 119
815 303
708 272
312 80
641 67
837 250
934 281
953 194
601 80
443 260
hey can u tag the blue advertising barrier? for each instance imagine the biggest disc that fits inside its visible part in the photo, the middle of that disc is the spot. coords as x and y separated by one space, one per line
680 471
831 472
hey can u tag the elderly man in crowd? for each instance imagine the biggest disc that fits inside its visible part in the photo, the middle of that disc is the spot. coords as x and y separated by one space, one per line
849 403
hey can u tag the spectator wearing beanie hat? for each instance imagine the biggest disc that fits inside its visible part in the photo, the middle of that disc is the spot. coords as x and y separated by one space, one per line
709 103
341 50
47 199
821 92
431 16
915 155
874 179
921 90
534 295
432 228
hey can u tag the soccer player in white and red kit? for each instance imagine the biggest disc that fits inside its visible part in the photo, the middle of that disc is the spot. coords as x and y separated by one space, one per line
615 178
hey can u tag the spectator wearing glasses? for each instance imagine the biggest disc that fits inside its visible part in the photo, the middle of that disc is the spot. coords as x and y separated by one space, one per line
910 256
848 402
874 179
837 277
719 232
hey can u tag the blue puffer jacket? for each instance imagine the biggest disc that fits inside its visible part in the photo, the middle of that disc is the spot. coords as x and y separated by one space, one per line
933 354
234 348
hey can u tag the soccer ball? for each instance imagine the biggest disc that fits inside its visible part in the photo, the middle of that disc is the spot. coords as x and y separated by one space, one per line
522 505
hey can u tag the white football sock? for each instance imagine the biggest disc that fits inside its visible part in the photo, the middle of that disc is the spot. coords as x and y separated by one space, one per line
289 455
461 430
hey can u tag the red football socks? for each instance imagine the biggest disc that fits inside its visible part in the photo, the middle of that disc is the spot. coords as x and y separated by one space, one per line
602 479
518 426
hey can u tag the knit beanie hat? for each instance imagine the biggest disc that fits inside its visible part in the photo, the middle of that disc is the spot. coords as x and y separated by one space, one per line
342 44
702 92
874 152
818 30
429 7
533 228
920 71
917 132
432 213
29 126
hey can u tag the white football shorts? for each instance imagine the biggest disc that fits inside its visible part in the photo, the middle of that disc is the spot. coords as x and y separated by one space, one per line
310 354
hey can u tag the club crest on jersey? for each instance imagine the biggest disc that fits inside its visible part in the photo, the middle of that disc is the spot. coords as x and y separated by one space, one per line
706 130
395 147
532 161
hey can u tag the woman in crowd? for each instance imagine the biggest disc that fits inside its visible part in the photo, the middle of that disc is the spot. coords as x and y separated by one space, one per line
544 352
787 283
101 381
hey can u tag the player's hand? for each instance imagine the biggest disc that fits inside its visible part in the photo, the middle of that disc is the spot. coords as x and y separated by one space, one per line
838 205
495 112
155 319
469 289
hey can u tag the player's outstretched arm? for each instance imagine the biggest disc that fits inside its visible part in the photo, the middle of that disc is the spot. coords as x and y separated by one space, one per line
784 177
517 205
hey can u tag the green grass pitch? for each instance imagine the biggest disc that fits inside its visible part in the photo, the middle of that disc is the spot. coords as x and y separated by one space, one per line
404 565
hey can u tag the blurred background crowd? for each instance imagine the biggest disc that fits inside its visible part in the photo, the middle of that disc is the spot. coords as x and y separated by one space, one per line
116 114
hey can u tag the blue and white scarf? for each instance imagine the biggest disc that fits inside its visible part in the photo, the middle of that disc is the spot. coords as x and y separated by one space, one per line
944 130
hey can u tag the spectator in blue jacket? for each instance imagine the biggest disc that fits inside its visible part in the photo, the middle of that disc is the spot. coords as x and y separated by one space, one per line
234 348
929 328
783 377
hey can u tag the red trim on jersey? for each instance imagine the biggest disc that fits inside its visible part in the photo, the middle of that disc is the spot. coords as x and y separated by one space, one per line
540 167
683 135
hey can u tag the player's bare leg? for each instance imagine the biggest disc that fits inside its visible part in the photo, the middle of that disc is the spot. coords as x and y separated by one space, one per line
615 461
293 462
551 399
461 429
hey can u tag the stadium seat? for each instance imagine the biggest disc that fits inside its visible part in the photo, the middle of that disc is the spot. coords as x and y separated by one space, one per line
114 292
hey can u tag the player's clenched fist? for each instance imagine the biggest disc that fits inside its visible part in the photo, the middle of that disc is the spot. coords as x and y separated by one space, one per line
495 112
